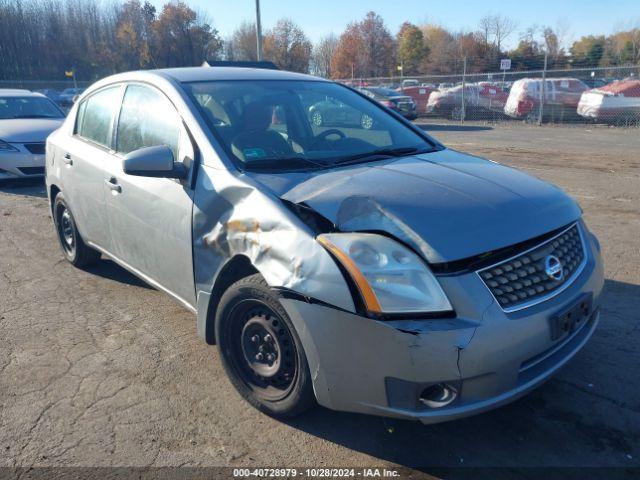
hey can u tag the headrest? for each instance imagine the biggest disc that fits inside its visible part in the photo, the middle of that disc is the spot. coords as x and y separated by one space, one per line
256 116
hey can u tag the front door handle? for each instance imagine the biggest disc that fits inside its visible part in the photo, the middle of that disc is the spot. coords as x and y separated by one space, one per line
112 183
67 159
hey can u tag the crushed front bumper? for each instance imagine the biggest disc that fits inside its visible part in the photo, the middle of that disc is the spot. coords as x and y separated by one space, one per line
490 357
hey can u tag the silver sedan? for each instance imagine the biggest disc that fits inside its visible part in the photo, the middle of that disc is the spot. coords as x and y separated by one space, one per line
367 268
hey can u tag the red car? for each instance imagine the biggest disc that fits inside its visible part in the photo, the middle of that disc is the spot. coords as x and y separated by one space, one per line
561 97
616 102
479 99
419 94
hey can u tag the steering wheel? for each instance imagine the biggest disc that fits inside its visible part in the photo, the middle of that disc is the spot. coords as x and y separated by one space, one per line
322 136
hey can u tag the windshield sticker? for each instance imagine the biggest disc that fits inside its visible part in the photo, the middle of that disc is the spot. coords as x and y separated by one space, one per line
252 153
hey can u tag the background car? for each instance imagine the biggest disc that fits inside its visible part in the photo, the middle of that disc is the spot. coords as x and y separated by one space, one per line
402 104
330 112
65 100
479 99
561 97
26 119
419 94
616 102
50 93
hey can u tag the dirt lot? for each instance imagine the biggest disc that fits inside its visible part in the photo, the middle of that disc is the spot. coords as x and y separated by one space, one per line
97 368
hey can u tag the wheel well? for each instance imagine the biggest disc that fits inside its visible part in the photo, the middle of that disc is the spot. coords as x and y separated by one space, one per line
53 191
235 269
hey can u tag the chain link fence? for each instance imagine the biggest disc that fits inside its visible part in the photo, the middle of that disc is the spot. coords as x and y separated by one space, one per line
609 95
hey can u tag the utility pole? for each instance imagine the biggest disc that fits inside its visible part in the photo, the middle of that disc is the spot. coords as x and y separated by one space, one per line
258 31
543 90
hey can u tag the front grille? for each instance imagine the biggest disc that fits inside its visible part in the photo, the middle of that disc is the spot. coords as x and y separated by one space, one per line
32 170
36 148
522 281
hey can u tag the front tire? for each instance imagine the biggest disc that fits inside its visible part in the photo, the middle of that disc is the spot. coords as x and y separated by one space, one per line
73 247
317 119
260 350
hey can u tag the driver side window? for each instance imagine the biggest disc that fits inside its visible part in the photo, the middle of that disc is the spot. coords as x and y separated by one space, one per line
147 119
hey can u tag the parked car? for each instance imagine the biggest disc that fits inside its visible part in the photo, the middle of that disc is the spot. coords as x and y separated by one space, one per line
26 119
50 93
67 97
409 82
372 271
616 102
420 95
479 100
561 97
402 104
331 112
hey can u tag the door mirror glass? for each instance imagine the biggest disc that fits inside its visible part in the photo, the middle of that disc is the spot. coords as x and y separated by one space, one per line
155 161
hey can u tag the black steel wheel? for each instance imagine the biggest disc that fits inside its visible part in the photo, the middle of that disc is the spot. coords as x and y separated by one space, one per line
73 247
261 351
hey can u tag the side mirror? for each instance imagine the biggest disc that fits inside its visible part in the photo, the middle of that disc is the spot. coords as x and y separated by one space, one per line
155 161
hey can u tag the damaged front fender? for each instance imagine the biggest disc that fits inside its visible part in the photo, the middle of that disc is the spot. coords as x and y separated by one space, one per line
231 217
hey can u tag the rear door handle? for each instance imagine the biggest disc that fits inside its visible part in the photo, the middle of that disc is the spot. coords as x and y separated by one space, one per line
67 159
112 183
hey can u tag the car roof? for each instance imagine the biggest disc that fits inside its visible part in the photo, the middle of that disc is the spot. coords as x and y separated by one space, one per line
16 92
203 74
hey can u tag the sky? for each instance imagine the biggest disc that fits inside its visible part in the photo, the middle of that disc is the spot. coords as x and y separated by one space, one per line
321 17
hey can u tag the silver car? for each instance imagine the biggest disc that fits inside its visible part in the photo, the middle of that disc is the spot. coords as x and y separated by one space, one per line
26 119
368 270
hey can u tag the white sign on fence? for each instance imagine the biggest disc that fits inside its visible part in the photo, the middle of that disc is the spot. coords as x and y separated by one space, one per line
505 64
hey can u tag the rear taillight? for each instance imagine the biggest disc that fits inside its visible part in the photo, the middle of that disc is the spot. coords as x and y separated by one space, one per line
388 103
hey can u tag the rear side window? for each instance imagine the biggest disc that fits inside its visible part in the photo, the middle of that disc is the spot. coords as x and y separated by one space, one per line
95 116
147 119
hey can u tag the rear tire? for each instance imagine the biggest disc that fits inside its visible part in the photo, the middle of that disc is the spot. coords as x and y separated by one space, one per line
260 349
73 247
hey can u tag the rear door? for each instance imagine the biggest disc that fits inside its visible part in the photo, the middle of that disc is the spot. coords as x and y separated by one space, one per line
84 156
150 218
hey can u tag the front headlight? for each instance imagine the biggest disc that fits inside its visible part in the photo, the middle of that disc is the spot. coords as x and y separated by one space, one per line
390 277
6 147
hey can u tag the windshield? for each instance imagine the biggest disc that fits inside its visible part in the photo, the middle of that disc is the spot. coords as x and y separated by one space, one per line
28 107
285 125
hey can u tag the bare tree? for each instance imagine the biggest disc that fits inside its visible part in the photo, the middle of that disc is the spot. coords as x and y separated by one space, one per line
486 27
503 27
497 28
288 46
242 45
322 55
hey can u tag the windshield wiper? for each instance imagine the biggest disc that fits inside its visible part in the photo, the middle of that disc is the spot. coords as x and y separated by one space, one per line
381 153
288 163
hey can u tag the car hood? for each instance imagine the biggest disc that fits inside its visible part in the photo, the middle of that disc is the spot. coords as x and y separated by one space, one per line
448 205
23 130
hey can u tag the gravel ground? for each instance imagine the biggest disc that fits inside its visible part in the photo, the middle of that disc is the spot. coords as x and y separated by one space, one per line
98 369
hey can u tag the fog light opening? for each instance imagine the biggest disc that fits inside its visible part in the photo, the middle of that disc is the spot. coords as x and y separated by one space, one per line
438 395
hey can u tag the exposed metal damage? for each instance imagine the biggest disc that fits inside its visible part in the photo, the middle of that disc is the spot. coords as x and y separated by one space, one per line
278 244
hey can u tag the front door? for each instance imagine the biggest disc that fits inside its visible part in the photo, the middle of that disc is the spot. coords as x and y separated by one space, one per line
150 218
84 158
